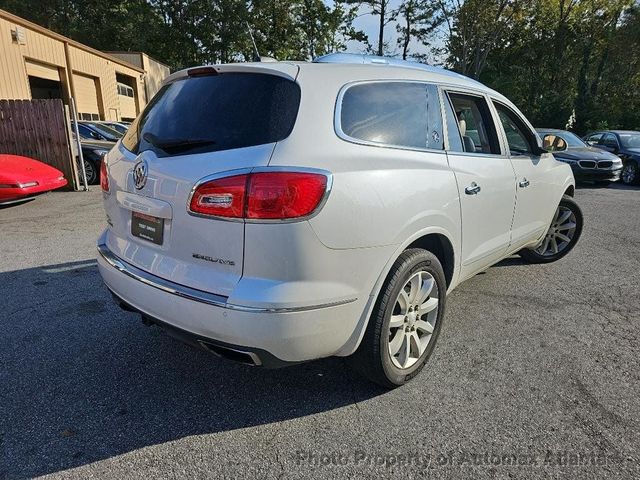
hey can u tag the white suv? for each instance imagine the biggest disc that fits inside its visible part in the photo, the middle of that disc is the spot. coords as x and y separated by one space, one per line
275 213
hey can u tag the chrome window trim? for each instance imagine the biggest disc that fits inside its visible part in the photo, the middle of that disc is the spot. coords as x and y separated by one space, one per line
244 171
488 100
198 295
337 118
532 131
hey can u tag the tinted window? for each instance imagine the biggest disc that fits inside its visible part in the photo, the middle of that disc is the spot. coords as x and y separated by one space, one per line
216 112
572 139
593 139
393 113
108 132
475 124
609 140
519 138
630 140
86 132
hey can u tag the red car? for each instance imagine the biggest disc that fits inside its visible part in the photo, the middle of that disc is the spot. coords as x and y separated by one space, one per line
24 177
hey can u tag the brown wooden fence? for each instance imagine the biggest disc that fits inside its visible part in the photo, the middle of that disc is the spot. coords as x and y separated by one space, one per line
37 129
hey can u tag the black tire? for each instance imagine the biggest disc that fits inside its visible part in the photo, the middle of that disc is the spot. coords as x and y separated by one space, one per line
630 173
531 256
372 359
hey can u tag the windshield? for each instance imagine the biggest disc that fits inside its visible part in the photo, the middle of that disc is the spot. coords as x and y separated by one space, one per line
572 140
630 140
216 112
107 131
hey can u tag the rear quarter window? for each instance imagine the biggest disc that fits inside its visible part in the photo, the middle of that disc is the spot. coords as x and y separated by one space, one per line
401 114
216 112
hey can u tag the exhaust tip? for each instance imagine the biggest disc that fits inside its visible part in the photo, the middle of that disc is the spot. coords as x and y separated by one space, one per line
238 356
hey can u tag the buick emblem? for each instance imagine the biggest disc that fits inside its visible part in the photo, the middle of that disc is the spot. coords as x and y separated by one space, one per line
140 171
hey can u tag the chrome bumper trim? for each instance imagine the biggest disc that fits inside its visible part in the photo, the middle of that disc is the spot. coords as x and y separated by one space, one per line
194 294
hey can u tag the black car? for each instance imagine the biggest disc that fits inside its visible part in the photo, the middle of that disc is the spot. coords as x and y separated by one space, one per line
625 144
92 152
587 162
90 131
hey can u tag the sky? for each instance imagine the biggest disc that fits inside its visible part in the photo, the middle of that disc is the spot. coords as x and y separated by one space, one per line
369 24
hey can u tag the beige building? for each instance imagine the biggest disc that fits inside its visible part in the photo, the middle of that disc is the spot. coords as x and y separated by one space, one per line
155 72
38 63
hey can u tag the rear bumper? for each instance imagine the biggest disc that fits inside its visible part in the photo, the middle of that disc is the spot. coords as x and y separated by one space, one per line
275 336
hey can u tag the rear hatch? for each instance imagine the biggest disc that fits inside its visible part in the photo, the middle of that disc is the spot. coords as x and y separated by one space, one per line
200 125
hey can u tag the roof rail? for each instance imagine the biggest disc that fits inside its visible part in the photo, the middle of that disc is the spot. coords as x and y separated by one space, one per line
358 58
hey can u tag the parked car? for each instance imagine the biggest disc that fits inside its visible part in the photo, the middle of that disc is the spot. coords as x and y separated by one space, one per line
90 131
22 178
92 152
119 127
587 162
273 227
625 144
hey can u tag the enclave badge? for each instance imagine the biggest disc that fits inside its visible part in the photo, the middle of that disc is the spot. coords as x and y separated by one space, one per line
221 261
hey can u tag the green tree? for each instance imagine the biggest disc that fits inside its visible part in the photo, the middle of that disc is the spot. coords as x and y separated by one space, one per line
386 15
476 27
418 21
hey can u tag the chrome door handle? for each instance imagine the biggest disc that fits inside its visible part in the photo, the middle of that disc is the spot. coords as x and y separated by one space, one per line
524 183
472 189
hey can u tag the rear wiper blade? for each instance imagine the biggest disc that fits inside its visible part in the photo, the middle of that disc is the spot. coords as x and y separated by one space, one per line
177 144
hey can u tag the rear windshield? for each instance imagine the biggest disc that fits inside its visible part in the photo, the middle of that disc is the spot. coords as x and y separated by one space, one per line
215 112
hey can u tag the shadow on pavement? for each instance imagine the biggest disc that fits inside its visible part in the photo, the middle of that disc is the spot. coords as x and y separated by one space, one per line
84 381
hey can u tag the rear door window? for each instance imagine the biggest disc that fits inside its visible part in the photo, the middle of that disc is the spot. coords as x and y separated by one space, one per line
400 114
474 125
216 112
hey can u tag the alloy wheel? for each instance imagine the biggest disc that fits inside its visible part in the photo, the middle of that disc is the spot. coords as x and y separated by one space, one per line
628 173
90 172
413 319
560 233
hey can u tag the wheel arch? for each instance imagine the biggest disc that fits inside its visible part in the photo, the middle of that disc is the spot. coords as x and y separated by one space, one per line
439 242
442 248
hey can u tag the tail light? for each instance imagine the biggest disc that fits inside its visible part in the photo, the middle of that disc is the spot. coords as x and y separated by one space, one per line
261 195
104 176
224 197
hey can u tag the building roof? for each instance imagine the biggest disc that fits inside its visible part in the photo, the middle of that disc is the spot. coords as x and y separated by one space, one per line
135 52
50 33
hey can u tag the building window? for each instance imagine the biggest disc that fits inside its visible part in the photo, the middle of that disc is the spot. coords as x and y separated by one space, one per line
89 116
125 90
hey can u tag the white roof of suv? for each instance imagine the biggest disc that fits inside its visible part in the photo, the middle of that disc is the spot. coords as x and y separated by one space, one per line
354 67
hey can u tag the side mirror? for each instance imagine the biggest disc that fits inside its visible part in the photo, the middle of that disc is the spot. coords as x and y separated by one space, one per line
553 143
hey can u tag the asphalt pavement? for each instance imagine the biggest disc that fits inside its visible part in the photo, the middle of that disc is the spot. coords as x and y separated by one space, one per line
536 374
